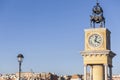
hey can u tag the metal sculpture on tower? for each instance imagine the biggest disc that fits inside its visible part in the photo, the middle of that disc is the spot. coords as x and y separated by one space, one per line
97 16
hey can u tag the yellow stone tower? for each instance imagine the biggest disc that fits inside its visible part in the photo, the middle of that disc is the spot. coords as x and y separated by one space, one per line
97 53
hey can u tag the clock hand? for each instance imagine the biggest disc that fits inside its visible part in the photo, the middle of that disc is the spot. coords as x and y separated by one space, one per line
96 39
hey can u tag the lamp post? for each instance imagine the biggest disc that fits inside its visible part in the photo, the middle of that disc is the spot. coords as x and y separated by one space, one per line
20 59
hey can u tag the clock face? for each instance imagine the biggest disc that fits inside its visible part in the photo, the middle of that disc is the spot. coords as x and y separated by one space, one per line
95 40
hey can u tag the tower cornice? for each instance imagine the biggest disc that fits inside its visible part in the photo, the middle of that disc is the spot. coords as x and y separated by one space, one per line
99 52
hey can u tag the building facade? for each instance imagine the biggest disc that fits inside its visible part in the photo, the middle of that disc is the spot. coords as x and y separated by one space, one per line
30 76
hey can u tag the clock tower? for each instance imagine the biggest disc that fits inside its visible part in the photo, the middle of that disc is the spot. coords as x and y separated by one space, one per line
97 54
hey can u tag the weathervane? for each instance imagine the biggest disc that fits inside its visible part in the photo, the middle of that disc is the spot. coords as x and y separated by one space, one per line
97 16
97 1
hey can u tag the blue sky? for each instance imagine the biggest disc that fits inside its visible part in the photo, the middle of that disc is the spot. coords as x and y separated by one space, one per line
50 34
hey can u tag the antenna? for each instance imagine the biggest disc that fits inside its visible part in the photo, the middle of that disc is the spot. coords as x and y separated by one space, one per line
31 71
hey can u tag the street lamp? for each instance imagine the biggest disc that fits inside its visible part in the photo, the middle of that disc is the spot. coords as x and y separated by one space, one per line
20 59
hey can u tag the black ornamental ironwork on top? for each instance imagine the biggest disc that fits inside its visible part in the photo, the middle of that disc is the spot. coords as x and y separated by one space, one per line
97 16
